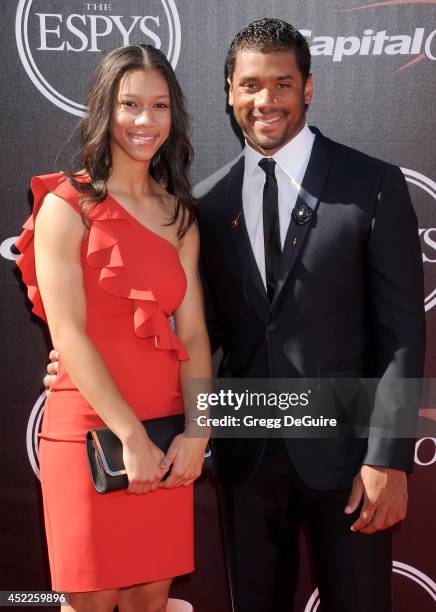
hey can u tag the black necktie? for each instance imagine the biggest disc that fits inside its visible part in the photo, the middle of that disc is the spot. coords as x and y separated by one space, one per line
271 225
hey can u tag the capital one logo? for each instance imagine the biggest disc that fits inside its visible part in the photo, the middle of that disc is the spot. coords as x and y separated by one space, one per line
60 43
418 43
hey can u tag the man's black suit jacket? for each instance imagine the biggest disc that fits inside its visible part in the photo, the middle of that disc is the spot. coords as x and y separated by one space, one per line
349 301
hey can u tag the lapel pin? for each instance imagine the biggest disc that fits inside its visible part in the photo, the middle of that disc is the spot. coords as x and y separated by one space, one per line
236 221
301 214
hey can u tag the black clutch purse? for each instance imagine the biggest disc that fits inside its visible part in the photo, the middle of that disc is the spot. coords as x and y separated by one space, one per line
105 451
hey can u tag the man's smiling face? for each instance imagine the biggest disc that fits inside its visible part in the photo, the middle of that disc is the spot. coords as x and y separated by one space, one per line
269 97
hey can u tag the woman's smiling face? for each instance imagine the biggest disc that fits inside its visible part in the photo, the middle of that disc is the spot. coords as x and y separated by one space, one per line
141 120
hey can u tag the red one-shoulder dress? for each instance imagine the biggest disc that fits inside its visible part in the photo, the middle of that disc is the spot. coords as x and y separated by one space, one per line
133 281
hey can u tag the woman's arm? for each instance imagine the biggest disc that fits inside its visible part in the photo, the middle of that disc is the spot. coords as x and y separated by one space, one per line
191 324
59 233
187 452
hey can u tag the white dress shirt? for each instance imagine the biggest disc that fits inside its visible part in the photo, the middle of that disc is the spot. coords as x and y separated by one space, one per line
291 164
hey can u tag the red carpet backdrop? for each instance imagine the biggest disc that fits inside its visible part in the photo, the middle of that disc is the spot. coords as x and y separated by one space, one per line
374 66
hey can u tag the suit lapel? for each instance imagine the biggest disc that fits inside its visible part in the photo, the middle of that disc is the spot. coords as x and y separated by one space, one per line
310 194
234 217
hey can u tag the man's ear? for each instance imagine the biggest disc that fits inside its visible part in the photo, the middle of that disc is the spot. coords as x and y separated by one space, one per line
229 83
308 89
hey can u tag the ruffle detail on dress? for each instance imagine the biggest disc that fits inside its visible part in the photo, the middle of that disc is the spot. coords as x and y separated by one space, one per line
107 229
26 263
41 185
152 321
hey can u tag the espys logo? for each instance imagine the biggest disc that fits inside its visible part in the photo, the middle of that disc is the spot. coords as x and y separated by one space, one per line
8 250
408 571
420 43
57 38
424 457
33 429
428 235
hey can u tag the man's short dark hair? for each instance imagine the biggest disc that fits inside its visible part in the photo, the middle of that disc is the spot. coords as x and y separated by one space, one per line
268 35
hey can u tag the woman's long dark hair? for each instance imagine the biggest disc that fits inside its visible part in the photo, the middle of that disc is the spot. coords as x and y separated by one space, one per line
169 165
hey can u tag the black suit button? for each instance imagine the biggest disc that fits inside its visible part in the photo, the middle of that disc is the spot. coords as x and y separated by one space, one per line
272 327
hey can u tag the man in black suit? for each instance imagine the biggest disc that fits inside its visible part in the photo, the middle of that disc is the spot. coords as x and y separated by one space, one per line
313 269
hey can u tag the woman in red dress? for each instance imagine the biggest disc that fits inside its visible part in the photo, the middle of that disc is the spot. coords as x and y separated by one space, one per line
108 255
